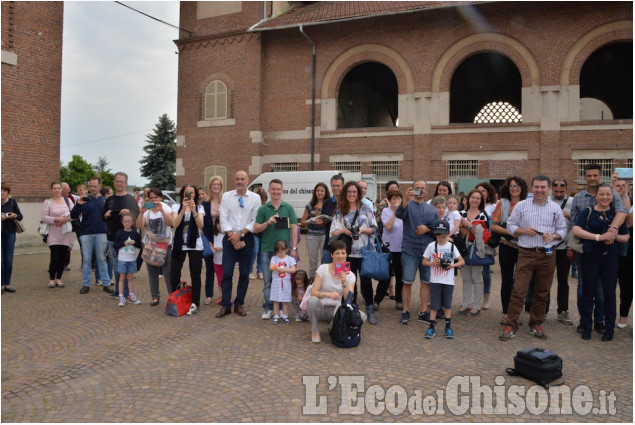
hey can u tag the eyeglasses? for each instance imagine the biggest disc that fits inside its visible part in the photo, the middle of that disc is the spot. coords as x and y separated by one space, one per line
241 203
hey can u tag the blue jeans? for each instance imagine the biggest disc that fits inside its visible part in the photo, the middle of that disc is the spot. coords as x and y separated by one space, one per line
256 256
110 265
326 257
487 280
409 265
8 246
93 243
265 258
598 312
230 257
113 255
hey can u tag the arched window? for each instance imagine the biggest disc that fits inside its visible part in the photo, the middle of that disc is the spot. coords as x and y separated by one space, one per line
606 83
485 82
216 101
368 97
498 113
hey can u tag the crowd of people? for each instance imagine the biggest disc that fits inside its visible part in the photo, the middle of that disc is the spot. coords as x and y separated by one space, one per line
533 228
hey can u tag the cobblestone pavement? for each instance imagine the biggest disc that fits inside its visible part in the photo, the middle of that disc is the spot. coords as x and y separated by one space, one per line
68 357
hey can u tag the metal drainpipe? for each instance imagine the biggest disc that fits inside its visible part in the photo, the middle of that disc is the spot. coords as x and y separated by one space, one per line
312 102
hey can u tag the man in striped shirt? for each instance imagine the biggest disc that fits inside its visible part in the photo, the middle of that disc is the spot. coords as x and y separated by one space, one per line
539 224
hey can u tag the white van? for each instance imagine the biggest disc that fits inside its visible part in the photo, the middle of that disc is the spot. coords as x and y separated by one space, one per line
298 185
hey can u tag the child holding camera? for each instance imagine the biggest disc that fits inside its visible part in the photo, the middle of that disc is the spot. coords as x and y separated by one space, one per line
126 240
440 256
282 266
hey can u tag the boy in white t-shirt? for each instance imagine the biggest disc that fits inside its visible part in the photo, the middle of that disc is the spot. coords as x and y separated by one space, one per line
440 256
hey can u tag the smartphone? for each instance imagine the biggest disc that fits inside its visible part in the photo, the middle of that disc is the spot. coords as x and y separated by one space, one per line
624 173
539 232
342 267
149 205
188 195
86 198
417 192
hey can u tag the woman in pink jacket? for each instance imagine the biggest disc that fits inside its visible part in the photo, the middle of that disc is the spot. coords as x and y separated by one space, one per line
56 212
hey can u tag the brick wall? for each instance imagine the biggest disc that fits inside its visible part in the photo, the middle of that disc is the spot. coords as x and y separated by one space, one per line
271 77
31 96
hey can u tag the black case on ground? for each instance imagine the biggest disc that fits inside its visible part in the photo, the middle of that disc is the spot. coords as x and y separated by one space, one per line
537 364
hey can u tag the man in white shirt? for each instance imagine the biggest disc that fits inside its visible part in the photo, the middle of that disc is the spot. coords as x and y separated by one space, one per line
238 209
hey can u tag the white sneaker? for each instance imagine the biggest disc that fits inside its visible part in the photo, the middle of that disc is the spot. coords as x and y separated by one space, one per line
297 319
98 283
192 310
122 302
133 299
267 315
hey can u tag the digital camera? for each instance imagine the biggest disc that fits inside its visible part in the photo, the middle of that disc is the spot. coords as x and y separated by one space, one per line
355 232
445 263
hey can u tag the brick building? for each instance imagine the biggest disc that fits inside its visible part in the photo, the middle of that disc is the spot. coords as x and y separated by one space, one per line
444 90
31 96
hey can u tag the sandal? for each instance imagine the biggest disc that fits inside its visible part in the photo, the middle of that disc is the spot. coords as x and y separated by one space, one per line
154 302
51 284
60 284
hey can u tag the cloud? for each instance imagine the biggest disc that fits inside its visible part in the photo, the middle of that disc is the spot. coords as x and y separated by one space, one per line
119 74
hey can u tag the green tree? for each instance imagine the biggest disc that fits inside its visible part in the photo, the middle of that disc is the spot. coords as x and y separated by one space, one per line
107 178
160 164
76 172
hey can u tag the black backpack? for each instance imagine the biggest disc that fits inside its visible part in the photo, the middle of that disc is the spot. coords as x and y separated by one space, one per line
347 324
537 364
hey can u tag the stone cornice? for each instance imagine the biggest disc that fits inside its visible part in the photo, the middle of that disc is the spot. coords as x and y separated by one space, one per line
215 39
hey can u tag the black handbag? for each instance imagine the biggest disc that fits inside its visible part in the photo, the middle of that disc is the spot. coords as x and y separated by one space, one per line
494 240
459 243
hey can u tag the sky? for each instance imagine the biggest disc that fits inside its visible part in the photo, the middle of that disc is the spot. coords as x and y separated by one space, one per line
119 75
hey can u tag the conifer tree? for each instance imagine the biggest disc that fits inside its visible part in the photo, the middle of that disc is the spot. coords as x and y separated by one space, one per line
160 164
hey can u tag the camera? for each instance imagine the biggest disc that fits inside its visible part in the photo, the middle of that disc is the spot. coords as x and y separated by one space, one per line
445 263
86 198
417 192
188 195
355 232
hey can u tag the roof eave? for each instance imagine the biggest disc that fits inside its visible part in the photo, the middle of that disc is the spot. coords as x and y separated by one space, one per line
355 18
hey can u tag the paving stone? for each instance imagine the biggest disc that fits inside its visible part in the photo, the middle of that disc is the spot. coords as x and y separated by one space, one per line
68 357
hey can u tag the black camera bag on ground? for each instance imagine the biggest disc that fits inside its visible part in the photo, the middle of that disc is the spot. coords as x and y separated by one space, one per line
537 364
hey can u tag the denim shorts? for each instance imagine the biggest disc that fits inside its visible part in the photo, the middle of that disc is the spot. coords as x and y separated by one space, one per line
410 265
126 267
440 296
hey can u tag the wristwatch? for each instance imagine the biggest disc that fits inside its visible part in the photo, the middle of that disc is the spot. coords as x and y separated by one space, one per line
295 248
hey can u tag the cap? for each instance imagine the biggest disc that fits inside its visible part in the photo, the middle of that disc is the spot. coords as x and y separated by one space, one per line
442 228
